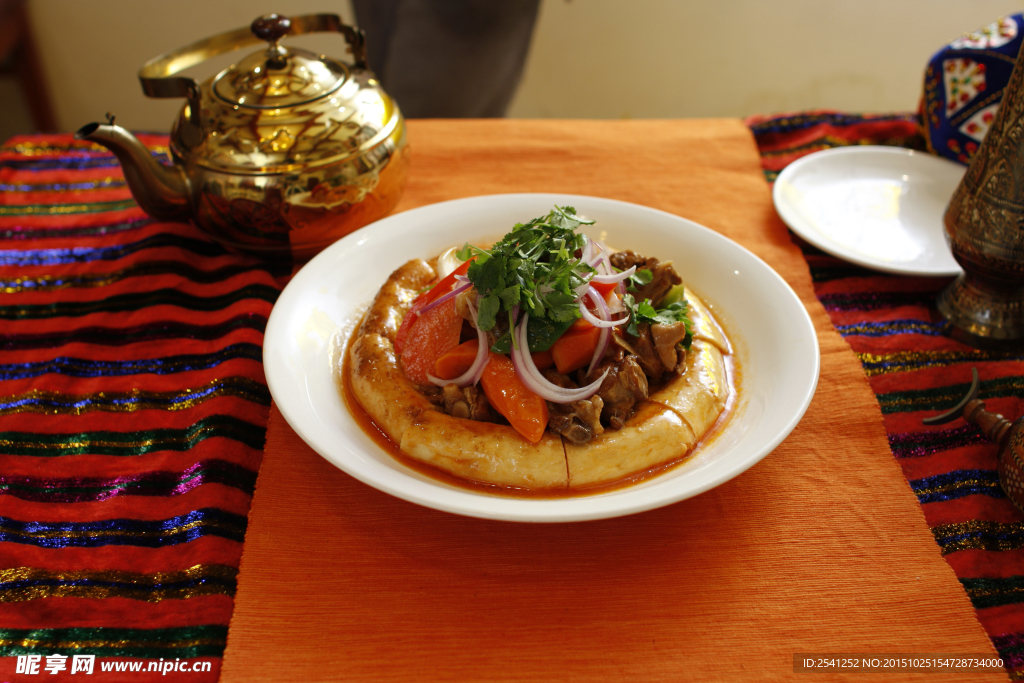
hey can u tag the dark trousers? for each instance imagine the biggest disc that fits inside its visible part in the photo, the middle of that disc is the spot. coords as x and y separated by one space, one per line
448 58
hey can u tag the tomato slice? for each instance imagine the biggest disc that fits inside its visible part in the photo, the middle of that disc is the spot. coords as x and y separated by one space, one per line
604 288
423 338
434 334
446 285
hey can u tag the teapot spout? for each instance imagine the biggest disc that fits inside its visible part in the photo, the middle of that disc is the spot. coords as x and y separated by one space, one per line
161 191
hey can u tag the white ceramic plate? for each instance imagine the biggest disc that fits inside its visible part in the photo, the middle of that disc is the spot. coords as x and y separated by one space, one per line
775 343
878 207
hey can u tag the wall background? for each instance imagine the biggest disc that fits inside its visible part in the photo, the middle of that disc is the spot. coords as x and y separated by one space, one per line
589 58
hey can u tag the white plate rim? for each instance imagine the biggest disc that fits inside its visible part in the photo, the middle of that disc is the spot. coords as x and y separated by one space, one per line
282 382
799 225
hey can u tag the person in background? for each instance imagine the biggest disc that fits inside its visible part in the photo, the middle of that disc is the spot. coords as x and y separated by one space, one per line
448 58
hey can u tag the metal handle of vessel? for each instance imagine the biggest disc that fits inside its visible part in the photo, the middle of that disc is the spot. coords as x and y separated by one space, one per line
158 74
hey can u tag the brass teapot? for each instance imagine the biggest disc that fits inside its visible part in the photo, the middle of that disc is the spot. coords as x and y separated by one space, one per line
280 154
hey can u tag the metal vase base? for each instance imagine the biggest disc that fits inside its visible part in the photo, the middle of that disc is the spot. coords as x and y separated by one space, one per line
984 314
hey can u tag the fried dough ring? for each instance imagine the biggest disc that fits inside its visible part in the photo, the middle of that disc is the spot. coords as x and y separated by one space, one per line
662 429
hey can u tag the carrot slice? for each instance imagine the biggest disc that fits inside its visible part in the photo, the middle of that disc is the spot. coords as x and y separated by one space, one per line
542 359
575 349
525 411
457 361
460 359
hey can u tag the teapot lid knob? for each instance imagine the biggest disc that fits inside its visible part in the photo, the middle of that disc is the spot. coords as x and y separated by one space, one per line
271 27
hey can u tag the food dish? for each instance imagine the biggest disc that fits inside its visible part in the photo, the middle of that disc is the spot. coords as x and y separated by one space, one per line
877 207
327 297
629 396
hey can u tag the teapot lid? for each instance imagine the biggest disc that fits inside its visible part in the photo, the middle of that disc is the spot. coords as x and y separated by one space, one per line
274 79
278 110
278 77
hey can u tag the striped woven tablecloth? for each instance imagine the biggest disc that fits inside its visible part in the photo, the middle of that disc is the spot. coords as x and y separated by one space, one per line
133 409
892 325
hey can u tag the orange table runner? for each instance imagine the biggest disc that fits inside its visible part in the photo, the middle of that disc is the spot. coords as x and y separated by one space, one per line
820 548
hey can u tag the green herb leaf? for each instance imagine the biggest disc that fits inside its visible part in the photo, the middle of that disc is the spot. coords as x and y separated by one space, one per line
509 296
673 313
487 274
540 335
488 313
503 344
630 304
639 278
644 312
533 266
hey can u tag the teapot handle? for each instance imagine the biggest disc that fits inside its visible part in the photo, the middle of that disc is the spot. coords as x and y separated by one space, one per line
158 74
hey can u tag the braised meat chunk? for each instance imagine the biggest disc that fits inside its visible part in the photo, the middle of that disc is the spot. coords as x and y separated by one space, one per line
664 276
643 349
468 403
622 389
579 421
666 338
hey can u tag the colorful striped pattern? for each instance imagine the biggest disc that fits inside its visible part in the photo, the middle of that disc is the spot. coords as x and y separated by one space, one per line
784 138
891 324
133 409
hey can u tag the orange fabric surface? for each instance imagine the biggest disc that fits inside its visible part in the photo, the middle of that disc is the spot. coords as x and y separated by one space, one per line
820 548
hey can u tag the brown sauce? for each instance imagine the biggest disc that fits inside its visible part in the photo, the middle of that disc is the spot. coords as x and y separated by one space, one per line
370 428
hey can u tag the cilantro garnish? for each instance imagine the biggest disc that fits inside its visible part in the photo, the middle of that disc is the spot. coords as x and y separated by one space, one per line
639 278
535 267
645 312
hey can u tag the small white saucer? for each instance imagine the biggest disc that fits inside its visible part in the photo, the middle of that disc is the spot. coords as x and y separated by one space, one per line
877 207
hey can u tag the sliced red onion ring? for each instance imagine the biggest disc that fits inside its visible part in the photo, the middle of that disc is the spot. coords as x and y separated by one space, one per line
593 254
605 334
602 309
588 250
616 305
602 346
607 265
617 277
472 375
601 257
535 381
447 297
